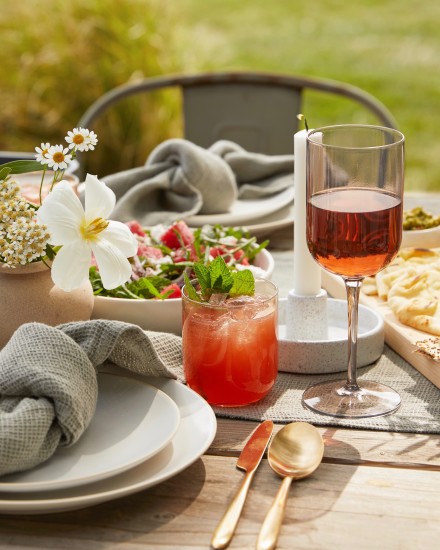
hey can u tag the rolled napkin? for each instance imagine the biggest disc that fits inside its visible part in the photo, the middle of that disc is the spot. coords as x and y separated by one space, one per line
48 383
181 179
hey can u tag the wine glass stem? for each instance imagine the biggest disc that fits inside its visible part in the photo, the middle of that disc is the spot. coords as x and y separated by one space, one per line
352 287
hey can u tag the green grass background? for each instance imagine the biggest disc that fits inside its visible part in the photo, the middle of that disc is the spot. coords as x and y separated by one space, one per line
57 57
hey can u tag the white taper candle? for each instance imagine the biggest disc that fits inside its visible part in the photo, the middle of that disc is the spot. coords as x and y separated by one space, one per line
306 272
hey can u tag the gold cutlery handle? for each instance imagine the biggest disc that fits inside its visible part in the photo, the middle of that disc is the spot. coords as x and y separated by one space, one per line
226 527
268 537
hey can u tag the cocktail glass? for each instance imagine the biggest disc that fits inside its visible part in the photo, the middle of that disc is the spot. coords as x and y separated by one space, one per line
230 349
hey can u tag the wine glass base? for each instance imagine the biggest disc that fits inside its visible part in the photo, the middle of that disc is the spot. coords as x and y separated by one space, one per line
336 399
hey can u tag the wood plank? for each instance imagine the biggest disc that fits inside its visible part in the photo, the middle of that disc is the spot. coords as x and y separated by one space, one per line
340 506
398 336
346 446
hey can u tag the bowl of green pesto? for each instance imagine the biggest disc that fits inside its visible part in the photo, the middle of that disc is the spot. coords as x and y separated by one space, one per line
421 229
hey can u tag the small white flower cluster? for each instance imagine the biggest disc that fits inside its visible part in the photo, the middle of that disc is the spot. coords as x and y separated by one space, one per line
58 157
22 238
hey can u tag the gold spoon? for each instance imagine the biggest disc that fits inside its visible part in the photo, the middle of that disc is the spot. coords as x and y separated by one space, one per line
295 452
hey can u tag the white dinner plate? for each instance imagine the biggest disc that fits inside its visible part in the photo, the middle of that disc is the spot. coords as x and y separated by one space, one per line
245 211
133 421
277 220
194 435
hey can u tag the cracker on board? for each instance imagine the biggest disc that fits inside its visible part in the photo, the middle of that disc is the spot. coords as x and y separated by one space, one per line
429 347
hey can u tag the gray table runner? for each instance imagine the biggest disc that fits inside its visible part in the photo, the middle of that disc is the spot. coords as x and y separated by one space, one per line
418 413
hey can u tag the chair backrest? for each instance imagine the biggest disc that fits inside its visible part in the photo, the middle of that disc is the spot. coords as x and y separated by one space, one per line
256 110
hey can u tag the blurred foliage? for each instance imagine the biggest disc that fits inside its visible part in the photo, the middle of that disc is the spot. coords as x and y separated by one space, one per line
61 56
58 57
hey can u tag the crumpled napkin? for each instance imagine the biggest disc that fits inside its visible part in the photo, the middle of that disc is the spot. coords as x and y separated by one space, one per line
48 383
181 179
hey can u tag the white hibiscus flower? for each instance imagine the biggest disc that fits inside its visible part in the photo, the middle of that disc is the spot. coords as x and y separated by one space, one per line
83 231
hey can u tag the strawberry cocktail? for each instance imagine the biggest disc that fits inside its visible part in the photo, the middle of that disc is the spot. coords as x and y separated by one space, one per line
230 348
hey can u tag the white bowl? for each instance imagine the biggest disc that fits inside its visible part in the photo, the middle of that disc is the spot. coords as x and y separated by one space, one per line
159 315
421 238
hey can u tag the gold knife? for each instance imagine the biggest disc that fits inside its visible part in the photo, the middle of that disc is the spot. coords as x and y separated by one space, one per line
248 461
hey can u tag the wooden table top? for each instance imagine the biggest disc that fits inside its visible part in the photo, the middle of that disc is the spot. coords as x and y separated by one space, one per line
373 490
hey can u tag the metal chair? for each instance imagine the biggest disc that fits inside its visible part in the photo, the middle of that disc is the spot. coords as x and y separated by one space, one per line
256 110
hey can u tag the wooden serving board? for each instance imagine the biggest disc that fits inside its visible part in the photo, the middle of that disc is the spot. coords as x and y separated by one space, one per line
398 336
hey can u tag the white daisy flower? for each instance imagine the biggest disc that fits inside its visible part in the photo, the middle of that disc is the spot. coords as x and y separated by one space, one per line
92 140
58 157
81 139
42 152
81 232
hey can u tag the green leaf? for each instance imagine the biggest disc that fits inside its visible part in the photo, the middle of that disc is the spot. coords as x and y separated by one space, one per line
252 253
50 252
190 290
145 283
23 166
217 277
143 288
221 277
4 172
203 275
244 283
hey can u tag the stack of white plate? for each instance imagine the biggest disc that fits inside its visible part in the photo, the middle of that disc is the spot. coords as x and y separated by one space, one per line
144 431
260 216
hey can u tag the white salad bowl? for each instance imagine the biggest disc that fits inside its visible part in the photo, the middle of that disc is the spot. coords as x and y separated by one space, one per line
159 315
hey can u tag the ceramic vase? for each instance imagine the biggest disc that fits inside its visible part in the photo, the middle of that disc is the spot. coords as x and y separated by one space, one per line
28 294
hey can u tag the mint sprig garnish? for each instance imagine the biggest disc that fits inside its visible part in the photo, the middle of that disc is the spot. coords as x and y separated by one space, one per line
217 278
244 283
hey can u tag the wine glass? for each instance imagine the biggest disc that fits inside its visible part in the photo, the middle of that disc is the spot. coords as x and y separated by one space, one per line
354 229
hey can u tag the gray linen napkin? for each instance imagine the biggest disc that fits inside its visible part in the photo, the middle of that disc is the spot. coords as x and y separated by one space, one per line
48 383
256 175
181 179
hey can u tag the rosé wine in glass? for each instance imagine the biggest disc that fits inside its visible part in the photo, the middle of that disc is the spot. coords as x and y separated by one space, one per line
354 232
354 194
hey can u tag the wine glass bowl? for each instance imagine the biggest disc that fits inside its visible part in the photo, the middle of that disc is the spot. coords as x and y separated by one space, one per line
354 229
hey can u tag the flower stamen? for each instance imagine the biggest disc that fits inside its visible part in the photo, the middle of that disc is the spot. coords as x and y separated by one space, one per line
78 138
58 157
91 230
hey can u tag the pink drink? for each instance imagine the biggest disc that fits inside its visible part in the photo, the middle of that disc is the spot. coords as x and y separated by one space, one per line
230 351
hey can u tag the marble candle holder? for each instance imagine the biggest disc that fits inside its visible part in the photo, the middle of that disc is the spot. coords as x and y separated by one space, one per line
323 354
